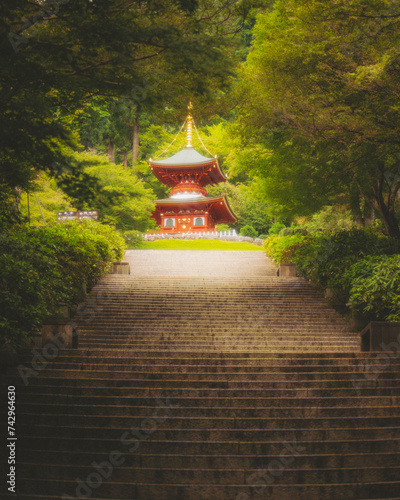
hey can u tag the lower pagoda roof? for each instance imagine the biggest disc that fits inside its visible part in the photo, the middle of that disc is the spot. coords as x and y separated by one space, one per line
217 206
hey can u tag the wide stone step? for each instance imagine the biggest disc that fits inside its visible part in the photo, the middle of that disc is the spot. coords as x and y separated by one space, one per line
221 412
323 359
199 476
221 462
125 368
165 364
150 342
276 348
151 445
107 378
207 381
60 419
222 401
210 434
247 324
386 388
204 491
211 335
231 313
217 345
349 491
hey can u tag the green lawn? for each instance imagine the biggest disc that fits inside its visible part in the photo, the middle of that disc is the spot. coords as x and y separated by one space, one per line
199 245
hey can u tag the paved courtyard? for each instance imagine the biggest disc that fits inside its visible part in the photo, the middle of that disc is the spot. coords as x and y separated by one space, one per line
199 263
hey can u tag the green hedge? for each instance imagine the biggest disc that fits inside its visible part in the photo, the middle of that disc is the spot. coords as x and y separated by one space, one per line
39 268
281 249
324 257
342 261
374 287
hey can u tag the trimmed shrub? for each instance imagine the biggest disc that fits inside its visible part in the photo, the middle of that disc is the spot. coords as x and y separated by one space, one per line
248 231
282 249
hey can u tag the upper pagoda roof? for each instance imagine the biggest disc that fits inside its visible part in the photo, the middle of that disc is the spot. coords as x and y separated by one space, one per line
185 157
187 163
171 170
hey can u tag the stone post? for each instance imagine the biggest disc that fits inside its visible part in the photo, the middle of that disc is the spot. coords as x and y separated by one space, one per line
378 334
121 268
62 330
287 270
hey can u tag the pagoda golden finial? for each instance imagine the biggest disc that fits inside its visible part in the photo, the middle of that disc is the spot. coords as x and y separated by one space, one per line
189 127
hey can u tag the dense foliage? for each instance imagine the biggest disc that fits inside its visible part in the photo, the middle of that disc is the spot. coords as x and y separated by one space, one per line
41 268
358 266
374 287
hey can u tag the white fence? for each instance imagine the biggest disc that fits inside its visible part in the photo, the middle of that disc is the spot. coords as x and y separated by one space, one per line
211 235
193 234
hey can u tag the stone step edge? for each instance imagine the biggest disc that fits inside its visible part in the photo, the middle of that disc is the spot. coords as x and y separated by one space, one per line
288 469
234 429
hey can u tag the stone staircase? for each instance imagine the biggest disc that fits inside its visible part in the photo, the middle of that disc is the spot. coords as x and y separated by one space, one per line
201 388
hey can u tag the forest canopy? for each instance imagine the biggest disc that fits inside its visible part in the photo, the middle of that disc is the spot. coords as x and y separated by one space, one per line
320 91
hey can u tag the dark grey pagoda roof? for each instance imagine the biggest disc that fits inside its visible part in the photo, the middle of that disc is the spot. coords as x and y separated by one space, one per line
186 156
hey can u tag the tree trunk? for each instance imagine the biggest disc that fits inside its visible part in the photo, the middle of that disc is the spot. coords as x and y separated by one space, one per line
111 153
135 142
391 225
125 160
388 216
17 199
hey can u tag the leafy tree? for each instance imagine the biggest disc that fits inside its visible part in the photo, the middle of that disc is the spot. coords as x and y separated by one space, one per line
320 97
248 209
331 218
120 198
276 228
51 198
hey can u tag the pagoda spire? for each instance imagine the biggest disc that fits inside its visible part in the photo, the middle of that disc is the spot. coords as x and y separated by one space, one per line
189 127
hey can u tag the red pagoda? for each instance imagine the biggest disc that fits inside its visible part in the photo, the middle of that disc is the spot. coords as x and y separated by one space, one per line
188 208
